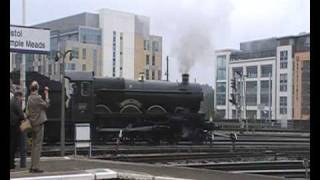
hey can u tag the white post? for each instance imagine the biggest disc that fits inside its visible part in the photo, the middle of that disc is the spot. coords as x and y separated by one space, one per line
23 137
23 63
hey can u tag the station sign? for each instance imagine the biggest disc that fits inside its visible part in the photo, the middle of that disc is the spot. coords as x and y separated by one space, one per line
29 40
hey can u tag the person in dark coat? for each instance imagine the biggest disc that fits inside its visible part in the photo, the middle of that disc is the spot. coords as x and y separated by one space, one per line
16 117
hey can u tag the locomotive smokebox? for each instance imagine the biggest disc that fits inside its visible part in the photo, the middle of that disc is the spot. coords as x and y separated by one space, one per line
185 79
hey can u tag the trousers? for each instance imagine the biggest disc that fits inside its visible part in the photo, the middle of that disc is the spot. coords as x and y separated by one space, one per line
14 142
37 139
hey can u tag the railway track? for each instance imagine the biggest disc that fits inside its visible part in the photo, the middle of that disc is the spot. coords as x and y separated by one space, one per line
215 156
145 149
174 157
284 168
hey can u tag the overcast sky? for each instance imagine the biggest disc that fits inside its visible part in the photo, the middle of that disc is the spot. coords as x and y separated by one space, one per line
218 23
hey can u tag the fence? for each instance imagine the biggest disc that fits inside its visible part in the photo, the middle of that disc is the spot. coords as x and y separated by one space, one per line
256 124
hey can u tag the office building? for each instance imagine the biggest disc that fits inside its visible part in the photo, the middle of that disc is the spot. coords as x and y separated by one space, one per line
272 77
109 43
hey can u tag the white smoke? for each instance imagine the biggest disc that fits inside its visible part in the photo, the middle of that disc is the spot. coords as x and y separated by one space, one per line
193 46
200 26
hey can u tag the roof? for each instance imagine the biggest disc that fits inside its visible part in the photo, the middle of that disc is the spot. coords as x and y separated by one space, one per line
76 76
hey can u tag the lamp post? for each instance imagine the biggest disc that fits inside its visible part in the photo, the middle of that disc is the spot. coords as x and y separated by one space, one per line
60 54
23 148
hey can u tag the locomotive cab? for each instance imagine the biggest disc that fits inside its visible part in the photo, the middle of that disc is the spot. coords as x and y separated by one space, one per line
80 92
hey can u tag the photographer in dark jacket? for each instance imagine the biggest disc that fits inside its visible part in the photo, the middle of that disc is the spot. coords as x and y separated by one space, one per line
16 116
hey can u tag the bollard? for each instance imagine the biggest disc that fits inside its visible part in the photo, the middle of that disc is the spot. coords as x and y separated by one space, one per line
23 150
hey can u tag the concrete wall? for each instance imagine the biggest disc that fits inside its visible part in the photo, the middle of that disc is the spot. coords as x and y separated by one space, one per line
110 21
288 94
298 89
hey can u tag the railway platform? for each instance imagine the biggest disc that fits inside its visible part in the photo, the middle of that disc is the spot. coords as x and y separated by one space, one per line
82 168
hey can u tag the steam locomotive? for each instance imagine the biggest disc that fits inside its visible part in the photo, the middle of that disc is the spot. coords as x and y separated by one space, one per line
139 110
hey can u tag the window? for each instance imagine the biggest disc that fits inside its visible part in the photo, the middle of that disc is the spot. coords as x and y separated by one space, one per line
114 38
145 45
236 71
73 66
283 59
54 68
251 93
159 74
84 67
87 35
264 92
283 105
84 38
221 74
305 87
153 60
221 61
94 60
264 114
147 74
114 54
85 89
147 59
283 82
84 53
221 67
221 93
251 114
155 46
221 113
75 53
153 75
113 61
252 72
266 70
50 69
234 114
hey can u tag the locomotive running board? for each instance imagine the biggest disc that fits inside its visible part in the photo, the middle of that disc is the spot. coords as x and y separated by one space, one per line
141 129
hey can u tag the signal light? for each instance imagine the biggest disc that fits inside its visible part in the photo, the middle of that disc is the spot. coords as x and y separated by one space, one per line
233 99
70 57
233 84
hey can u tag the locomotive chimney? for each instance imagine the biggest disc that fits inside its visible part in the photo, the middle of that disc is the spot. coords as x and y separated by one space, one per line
185 79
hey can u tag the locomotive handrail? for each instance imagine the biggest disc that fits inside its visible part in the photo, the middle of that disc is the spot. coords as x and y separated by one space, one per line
148 90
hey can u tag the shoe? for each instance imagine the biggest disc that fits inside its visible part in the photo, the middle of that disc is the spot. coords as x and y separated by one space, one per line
36 171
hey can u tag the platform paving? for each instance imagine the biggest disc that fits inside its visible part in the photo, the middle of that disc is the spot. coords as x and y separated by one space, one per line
81 166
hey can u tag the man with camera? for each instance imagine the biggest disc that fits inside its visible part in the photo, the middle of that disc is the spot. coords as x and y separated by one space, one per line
36 112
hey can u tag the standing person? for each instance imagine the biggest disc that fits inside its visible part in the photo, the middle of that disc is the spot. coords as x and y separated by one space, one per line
16 116
36 108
